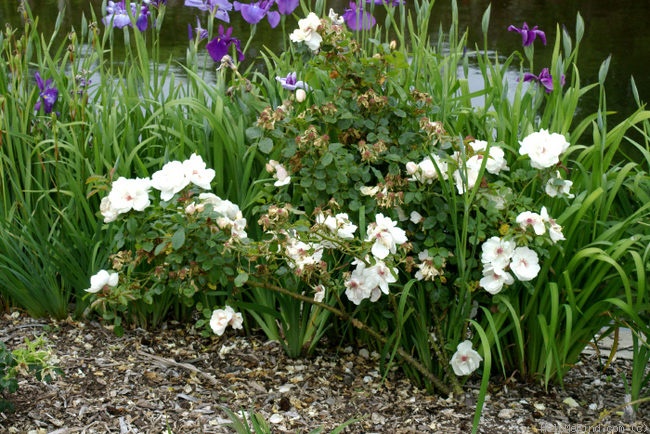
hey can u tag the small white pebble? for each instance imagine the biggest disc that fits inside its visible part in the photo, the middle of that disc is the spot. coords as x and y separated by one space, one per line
285 388
593 407
539 406
276 418
364 353
367 379
571 402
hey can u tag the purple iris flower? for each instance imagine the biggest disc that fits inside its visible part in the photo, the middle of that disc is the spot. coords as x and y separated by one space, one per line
253 13
203 33
219 8
544 78
358 19
286 7
386 2
47 96
528 35
117 14
290 82
219 46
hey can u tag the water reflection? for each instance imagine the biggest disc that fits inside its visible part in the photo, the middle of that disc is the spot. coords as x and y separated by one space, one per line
609 29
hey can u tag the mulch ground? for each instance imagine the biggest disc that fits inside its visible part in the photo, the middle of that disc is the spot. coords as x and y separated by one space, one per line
175 381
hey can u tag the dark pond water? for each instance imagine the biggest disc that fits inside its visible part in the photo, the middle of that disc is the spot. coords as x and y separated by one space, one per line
612 27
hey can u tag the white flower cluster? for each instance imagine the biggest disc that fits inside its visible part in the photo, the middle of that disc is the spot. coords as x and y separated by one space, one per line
133 194
303 255
500 256
230 216
339 226
307 32
222 318
467 171
369 281
371 276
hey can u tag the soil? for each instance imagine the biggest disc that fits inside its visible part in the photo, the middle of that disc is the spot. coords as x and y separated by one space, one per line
175 381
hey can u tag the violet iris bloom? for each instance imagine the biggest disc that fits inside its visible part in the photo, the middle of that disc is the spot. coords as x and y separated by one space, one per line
200 31
47 96
528 35
286 7
386 2
544 78
291 83
253 13
118 16
358 19
219 46
219 8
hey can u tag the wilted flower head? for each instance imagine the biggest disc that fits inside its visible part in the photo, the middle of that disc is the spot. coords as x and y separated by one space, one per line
465 360
279 173
357 18
47 96
218 47
528 35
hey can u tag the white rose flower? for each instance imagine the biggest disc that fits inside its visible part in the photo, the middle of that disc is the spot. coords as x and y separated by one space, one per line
528 218
556 186
494 279
103 279
465 180
525 264
127 194
543 149
222 318
497 252
170 179
197 173
386 235
465 360
279 173
107 210
307 32
554 229
496 161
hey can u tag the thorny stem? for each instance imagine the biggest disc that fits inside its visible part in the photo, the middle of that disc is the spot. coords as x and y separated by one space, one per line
362 326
